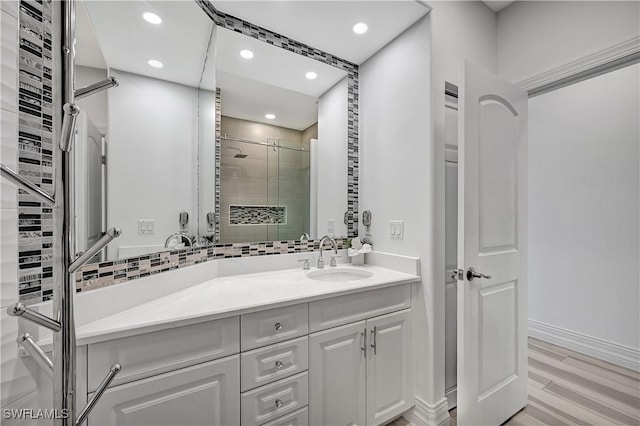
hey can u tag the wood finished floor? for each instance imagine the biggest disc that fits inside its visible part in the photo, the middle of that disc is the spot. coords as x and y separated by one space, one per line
568 388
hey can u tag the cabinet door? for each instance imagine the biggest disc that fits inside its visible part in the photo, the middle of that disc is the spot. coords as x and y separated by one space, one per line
389 382
205 394
337 376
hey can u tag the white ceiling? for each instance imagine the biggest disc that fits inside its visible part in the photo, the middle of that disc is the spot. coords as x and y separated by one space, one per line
127 41
273 81
497 6
326 25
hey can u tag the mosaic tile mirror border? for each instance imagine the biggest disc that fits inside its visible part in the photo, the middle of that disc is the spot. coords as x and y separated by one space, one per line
116 272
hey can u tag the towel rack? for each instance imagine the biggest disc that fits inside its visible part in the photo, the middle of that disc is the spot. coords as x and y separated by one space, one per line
63 366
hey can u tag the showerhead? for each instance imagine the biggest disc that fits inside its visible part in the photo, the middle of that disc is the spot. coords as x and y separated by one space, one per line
239 154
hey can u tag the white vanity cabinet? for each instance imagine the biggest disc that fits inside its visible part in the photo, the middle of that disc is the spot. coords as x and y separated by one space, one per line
334 361
337 376
360 373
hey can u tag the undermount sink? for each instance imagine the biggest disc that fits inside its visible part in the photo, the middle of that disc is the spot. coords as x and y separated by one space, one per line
339 274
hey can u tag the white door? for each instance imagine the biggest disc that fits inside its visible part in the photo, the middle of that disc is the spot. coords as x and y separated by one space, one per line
492 223
389 381
337 376
89 185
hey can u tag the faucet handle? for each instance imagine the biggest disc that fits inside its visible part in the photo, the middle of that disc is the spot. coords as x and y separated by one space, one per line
306 263
333 261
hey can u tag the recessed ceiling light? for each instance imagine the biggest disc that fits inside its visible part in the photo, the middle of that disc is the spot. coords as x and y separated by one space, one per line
155 63
151 18
270 116
247 54
311 75
360 28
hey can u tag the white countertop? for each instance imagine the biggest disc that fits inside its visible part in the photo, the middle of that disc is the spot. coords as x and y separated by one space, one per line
230 296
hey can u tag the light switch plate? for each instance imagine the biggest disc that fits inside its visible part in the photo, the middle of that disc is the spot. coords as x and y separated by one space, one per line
331 226
396 229
146 226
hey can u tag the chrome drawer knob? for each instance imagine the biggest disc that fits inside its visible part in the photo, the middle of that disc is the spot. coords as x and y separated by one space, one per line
279 403
279 326
279 365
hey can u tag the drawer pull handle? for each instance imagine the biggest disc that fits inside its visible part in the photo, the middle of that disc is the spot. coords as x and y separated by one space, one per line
279 403
279 326
279 365
374 340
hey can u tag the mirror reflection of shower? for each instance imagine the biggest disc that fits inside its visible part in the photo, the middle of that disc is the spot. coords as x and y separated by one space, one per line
264 188
239 154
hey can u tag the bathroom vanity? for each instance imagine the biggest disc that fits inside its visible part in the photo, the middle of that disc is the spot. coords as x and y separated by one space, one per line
272 348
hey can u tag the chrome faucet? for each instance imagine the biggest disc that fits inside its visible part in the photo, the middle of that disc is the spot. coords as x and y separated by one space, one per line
184 238
335 250
304 237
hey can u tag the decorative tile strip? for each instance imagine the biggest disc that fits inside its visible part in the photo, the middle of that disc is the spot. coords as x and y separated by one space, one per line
35 151
108 273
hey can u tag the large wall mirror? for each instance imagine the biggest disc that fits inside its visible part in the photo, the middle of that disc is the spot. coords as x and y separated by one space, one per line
212 137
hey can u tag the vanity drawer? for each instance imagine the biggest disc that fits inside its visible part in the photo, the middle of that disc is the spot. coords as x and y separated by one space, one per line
328 313
266 365
155 353
297 418
269 402
275 325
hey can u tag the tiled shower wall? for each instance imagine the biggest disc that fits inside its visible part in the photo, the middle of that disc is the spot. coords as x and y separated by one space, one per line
266 177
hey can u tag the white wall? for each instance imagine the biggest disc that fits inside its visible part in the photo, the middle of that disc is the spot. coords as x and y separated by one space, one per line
535 36
331 157
206 160
95 105
152 135
395 171
584 207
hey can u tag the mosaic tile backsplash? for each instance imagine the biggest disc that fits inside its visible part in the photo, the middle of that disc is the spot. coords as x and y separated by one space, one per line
35 151
104 274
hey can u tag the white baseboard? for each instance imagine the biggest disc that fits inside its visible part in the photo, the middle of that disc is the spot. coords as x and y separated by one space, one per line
452 397
588 345
424 414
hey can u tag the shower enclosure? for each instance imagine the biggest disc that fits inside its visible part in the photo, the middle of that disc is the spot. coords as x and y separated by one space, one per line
264 190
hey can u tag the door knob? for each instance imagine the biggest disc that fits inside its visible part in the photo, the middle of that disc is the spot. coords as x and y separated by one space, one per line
472 273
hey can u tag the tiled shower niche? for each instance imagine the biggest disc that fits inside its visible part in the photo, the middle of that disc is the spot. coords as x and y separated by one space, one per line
257 215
